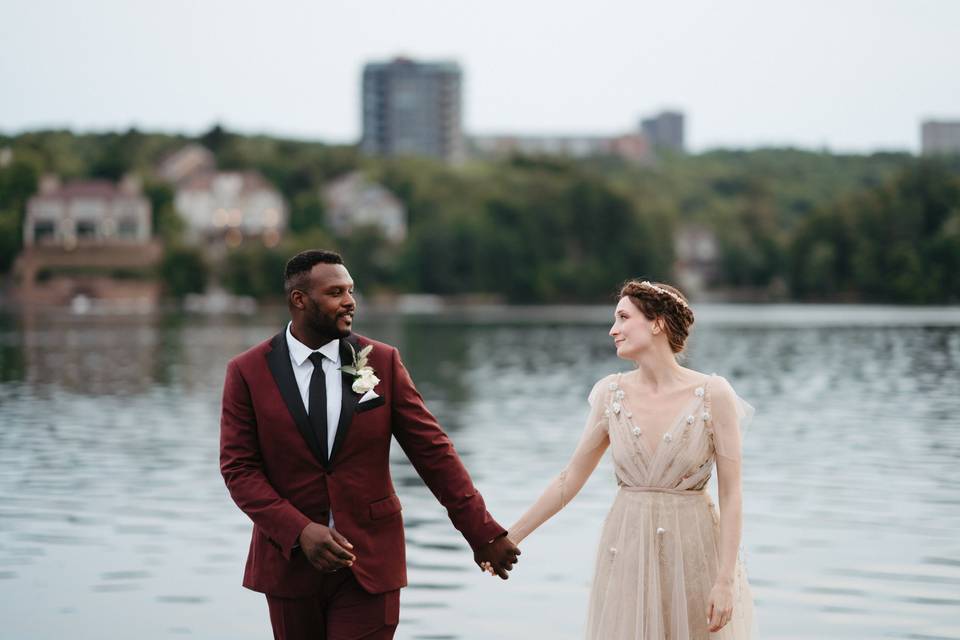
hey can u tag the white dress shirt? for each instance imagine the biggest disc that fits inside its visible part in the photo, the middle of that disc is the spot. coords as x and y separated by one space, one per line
303 371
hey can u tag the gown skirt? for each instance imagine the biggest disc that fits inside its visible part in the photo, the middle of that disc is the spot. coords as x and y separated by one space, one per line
656 566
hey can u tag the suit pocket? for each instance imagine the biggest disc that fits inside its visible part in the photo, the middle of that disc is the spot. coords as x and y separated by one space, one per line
370 404
386 507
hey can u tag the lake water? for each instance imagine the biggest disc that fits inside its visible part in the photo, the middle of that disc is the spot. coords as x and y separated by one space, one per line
114 521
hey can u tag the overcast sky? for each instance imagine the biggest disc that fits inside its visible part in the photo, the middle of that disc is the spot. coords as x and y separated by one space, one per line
851 75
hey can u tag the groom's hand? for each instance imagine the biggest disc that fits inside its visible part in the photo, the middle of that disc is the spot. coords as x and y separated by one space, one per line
499 554
325 548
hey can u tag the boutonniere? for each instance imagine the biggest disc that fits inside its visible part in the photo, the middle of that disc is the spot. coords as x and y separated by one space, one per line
364 379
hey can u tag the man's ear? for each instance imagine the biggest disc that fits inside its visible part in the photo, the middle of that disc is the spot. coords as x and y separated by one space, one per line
296 299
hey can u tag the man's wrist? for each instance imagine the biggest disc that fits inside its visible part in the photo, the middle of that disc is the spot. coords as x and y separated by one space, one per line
297 542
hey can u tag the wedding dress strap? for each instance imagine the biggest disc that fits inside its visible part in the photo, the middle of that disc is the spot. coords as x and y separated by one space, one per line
679 492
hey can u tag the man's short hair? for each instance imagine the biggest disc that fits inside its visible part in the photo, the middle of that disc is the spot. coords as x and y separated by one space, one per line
298 267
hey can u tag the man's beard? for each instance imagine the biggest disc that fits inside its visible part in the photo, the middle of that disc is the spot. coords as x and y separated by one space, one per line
324 324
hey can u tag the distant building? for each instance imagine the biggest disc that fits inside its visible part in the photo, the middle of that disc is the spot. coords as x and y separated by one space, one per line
353 201
231 205
87 212
631 147
940 136
665 131
191 160
697 255
413 108
572 146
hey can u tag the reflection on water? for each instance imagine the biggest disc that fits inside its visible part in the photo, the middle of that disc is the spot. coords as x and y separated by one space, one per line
114 521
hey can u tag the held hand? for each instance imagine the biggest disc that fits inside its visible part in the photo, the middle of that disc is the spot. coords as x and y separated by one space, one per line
497 556
325 548
720 605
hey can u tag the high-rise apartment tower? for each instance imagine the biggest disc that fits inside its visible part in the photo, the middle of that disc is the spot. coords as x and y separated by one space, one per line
664 130
413 108
940 136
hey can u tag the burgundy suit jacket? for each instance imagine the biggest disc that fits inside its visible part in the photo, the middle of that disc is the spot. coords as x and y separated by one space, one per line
278 473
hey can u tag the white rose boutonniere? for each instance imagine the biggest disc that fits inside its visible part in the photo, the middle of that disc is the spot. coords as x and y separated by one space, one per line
364 379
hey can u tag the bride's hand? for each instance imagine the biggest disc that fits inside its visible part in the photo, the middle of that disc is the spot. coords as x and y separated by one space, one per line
487 567
720 606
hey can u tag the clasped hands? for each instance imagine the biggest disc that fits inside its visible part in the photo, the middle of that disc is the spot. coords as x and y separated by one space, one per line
327 550
497 557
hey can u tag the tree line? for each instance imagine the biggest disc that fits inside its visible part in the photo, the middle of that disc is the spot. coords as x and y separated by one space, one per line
788 224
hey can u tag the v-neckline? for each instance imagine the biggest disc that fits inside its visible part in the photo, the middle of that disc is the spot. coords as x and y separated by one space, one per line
679 419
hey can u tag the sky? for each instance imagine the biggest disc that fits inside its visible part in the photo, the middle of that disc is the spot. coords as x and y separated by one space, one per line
844 75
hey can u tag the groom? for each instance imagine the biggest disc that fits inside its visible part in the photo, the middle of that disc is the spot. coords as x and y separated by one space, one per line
304 450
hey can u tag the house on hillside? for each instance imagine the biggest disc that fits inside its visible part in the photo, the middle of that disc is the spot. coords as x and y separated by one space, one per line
353 201
88 243
231 206
87 212
191 160
697 258
228 206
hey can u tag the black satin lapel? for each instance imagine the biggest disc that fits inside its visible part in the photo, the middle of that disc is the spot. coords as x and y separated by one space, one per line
348 398
278 359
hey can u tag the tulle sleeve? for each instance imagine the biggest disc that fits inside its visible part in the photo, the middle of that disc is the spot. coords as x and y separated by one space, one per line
598 399
730 417
592 443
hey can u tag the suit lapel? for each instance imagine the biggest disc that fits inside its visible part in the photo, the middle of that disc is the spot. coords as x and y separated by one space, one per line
348 398
278 359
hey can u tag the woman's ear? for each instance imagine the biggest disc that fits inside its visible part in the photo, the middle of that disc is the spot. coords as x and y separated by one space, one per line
658 325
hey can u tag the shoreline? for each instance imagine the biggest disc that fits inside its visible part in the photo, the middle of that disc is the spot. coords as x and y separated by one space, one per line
458 312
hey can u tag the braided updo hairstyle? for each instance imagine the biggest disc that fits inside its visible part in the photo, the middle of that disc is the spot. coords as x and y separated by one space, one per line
667 303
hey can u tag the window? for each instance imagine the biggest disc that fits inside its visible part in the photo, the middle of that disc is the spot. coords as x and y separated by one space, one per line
86 229
127 228
44 231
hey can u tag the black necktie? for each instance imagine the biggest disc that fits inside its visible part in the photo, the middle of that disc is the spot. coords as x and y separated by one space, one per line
318 402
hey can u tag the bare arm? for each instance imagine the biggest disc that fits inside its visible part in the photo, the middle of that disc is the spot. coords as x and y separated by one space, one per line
731 516
728 412
568 483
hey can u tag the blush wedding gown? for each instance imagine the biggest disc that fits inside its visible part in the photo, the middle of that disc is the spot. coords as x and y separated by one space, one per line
658 556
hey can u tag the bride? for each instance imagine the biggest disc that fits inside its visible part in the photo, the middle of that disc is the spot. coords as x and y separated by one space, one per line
667 566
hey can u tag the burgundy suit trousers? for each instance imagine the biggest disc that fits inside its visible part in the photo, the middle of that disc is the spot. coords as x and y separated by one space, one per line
341 611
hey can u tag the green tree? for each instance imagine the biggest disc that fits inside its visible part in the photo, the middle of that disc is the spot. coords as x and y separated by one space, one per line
167 223
183 270
18 181
116 155
897 242
306 212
